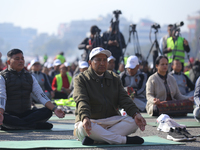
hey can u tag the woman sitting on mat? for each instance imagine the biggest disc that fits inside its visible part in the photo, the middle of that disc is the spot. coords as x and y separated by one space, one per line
163 95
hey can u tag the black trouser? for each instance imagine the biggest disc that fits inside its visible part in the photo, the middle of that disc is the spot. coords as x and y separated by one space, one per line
60 95
26 120
117 62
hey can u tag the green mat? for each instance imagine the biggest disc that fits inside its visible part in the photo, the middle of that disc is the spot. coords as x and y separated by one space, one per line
57 127
146 116
189 124
67 117
150 140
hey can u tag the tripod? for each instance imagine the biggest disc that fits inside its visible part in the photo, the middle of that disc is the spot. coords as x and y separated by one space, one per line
155 52
136 44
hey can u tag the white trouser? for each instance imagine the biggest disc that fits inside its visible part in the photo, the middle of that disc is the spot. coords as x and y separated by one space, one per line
139 103
112 130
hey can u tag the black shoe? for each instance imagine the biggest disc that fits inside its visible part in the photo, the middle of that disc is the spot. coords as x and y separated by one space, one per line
44 126
87 141
6 127
176 135
187 134
134 140
67 110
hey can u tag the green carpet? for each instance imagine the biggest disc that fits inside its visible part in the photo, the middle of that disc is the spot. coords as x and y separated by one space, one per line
189 124
146 116
67 117
57 127
150 140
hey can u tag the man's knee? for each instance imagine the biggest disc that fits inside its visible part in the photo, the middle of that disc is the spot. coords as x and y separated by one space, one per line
47 112
196 113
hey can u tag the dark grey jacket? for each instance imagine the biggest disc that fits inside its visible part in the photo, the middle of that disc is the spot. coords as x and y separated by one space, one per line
18 89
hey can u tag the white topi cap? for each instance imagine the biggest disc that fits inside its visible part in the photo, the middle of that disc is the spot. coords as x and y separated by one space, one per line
56 62
111 58
99 50
83 64
132 62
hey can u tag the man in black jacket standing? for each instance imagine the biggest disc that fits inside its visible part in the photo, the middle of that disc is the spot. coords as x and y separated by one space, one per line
113 40
90 42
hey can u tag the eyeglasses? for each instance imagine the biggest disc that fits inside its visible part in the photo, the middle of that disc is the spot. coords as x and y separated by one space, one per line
99 60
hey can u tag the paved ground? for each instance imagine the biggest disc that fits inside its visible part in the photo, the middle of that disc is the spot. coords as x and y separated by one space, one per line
22 136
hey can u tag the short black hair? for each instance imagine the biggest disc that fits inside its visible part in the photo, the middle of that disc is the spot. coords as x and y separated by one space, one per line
170 25
13 52
174 61
159 58
61 53
93 29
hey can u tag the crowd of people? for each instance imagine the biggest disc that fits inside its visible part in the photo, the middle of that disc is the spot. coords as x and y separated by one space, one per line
109 93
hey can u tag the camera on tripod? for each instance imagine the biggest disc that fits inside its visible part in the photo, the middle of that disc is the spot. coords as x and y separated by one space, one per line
116 13
155 26
133 26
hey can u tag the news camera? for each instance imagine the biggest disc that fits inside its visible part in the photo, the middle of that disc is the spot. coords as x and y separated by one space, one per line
155 26
176 28
117 13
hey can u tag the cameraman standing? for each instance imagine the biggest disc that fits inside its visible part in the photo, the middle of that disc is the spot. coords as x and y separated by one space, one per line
90 42
114 42
176 48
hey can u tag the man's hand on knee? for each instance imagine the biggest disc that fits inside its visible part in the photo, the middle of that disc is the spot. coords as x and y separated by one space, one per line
140 121
87 125
1 118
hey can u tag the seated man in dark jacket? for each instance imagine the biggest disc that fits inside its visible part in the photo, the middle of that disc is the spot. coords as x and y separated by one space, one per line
15 104
99 94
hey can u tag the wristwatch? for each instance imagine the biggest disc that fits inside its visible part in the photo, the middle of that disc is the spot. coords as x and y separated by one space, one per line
135 114
54 108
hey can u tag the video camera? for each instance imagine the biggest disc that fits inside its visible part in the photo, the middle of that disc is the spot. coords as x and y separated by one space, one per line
133 26
116 13
155 26
176 28
97 30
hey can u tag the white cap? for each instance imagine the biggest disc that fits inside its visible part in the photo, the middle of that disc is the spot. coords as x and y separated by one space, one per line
99 50
67 64
46 64
111 58
56 62
49 65
162 117
32 63
83 64
132 62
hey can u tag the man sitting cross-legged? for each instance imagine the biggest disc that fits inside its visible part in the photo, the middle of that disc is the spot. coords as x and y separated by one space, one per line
15 104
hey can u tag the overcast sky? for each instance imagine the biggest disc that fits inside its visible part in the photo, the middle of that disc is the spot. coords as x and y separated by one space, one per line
46 15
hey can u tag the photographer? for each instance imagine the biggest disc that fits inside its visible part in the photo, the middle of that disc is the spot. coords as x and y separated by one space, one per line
163 40
112 42
113 39
176 47
90 42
